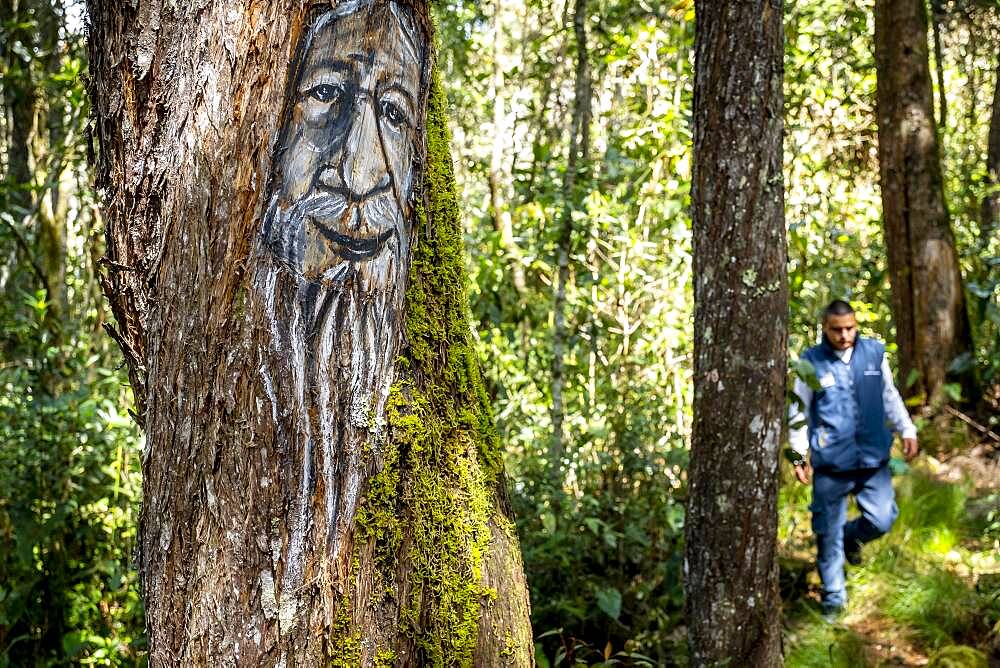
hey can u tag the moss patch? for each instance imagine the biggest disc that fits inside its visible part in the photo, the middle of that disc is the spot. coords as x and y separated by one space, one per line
431 503
439 420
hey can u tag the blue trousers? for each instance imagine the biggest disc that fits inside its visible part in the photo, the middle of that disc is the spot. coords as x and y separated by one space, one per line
872 489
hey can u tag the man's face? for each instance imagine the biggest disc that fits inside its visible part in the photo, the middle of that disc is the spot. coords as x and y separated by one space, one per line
347 167
841 330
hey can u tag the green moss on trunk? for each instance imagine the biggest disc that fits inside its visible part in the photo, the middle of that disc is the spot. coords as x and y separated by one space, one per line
431 503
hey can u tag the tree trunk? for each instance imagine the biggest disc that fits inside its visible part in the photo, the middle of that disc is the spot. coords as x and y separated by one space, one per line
989 220
932 326
577 157
34 145
498 177
937 12
322 480
740 327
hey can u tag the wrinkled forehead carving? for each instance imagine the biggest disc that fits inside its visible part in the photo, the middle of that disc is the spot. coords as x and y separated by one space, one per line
403 15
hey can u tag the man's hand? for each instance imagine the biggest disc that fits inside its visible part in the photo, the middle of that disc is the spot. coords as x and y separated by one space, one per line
803 471
910 448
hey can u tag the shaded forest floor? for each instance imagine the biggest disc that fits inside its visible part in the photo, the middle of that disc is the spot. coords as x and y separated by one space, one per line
926 594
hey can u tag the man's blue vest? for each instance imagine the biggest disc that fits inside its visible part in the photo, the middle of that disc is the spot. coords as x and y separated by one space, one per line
847 426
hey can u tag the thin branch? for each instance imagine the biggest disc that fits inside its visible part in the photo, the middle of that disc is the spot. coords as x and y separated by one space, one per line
972 423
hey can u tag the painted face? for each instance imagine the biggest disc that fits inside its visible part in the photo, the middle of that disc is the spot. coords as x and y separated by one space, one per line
841 330
346 168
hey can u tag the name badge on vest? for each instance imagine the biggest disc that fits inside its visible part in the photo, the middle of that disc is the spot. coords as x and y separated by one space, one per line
827 380
872 371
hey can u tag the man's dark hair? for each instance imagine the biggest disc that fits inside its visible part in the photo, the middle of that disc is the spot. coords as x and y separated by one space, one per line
837 307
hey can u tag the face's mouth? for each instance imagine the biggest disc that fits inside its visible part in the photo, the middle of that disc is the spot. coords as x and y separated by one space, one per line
353 248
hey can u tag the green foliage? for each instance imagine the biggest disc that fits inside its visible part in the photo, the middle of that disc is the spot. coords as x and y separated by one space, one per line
832 200
602 551
69 453
823 645
914 581
69 490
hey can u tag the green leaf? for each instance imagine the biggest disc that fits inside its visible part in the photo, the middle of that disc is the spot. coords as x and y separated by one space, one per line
609 600
911 378
541 660
898 466
549 522
954 391
807 373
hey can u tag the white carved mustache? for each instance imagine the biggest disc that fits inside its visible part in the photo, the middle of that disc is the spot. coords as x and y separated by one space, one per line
358 230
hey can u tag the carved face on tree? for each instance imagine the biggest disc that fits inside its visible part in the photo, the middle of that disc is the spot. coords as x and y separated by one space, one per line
346 167
331 278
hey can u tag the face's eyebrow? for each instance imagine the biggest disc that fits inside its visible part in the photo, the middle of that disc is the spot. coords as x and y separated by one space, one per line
404 92
365 59
335 64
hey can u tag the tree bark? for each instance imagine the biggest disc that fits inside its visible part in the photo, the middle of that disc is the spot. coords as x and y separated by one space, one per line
740 327
932 326
323 483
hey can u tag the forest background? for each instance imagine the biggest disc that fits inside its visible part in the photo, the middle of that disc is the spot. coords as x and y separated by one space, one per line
581 296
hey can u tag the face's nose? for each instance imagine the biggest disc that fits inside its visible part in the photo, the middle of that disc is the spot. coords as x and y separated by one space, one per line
362 170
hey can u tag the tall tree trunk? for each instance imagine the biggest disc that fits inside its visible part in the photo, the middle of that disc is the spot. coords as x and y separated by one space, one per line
49 209
322 480
33 146
576 162
936 16
499 181
932 326
740 329
20 99
989 220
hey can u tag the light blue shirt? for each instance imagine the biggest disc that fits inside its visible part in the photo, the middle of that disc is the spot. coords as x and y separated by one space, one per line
895 409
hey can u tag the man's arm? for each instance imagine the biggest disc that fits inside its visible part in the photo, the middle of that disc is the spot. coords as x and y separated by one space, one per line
798 437
896 413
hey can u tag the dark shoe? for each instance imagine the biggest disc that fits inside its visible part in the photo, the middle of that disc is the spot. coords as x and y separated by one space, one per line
832 613
852 552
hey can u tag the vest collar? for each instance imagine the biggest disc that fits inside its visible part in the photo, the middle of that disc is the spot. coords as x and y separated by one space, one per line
831 352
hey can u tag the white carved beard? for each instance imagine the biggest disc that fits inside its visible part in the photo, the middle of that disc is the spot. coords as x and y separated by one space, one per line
336 342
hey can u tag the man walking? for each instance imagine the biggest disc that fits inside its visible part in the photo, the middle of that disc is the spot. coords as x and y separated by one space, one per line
845 433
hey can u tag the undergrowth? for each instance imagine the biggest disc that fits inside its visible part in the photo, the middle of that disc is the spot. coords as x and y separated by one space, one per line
925 592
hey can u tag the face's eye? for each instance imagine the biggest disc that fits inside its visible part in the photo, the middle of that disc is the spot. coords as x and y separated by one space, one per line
325 92
392 113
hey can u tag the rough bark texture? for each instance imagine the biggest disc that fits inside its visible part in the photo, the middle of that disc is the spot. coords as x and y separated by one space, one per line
740 327
323 484
932 326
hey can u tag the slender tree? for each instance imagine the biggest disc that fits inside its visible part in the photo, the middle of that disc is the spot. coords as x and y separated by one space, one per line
937 17
990 215
740 328
932 326
322 480
35 156
576 167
